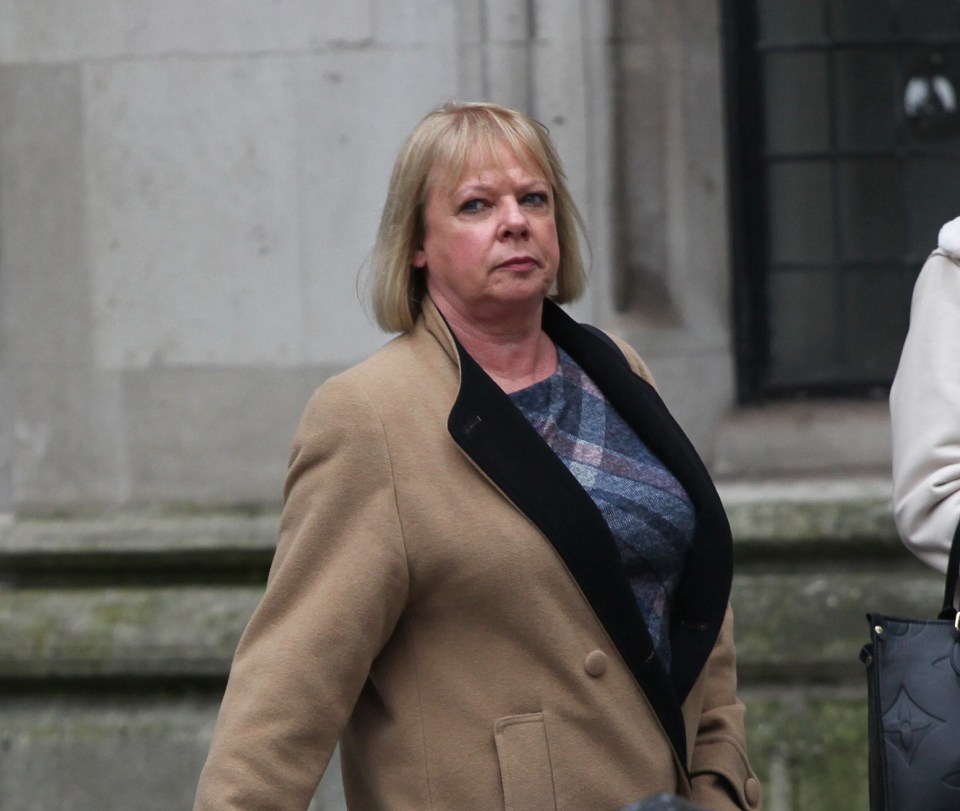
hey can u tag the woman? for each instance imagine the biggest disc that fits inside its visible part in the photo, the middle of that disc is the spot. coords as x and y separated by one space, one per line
925 409
489 601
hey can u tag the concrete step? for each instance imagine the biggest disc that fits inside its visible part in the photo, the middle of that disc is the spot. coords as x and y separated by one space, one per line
119 631
799 624
175 632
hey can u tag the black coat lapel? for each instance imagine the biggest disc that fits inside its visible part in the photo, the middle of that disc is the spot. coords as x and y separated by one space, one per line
701 598
500 441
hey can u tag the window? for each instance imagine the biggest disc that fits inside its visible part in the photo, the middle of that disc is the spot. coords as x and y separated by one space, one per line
845 161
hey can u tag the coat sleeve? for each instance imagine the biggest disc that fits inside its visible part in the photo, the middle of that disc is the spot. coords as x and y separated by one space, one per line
336 588
719 770
925 409
637 364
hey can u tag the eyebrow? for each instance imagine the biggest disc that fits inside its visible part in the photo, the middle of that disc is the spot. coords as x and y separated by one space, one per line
485 188
471 188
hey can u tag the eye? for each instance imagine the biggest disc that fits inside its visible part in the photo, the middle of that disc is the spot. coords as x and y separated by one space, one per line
474 205
536 198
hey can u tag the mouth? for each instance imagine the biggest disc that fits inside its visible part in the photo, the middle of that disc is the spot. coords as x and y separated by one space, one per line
520 263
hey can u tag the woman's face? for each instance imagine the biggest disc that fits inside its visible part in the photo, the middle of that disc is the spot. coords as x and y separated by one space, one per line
490 248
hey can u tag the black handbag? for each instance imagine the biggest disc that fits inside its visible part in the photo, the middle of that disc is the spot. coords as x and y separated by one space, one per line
913 714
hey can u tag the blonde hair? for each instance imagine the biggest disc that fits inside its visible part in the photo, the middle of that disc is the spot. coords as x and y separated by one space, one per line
447 138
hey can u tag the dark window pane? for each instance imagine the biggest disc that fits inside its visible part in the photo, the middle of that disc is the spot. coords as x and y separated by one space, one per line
803 325
796 103
871 210
801 212
867 99
790 21
861 20
924 18
859 161
872 322
933 192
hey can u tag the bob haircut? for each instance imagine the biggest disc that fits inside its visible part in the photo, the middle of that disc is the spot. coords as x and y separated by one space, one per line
446 141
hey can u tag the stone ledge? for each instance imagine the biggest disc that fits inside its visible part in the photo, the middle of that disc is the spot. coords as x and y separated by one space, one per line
181 632
809 626
63 752
807 623
813 437
122 546
132 533
840 520
150 595
138 750
818 509
836 511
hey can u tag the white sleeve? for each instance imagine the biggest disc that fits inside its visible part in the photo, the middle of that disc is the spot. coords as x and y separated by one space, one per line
925 409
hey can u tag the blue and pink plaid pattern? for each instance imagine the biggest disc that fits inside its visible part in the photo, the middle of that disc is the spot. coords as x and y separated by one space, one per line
648 511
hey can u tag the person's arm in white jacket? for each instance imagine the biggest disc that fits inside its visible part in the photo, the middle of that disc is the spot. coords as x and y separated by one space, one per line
925 409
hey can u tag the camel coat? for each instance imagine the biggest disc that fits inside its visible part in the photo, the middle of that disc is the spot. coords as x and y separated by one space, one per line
925 408
447 602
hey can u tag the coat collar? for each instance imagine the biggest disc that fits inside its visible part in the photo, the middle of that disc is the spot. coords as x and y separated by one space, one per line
493 433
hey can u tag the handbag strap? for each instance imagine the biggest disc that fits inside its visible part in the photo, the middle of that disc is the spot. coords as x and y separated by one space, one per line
950 610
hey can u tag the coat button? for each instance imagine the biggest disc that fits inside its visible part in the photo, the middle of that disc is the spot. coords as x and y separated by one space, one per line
751 790
596 663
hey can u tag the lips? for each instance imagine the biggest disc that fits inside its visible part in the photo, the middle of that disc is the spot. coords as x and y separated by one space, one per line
520 263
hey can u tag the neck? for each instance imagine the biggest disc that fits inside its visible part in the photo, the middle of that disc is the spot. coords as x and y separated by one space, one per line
516 353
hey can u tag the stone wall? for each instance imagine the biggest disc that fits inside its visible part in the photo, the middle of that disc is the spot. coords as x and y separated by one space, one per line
189 193
189 190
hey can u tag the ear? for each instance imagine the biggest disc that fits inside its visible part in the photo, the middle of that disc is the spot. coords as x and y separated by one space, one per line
419 259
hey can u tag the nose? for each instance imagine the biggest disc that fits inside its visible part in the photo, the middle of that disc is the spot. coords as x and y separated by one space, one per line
513 222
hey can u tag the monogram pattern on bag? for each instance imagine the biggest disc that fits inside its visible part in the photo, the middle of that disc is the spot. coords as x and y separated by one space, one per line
906 724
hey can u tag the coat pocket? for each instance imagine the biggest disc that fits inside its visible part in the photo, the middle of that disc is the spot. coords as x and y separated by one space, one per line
525 769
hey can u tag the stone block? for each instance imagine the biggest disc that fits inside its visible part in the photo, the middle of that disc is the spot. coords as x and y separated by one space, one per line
417 22
213 436
41 215
93 751
558 20
134 632
828 438
636 20
682 376
509 21
129 597
809 623
193 212
510 75
831 517
355 110
67 437
39 31
61 416
6 447
116 540
809 747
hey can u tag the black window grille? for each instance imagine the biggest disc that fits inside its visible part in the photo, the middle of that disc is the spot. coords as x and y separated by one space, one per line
845 160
